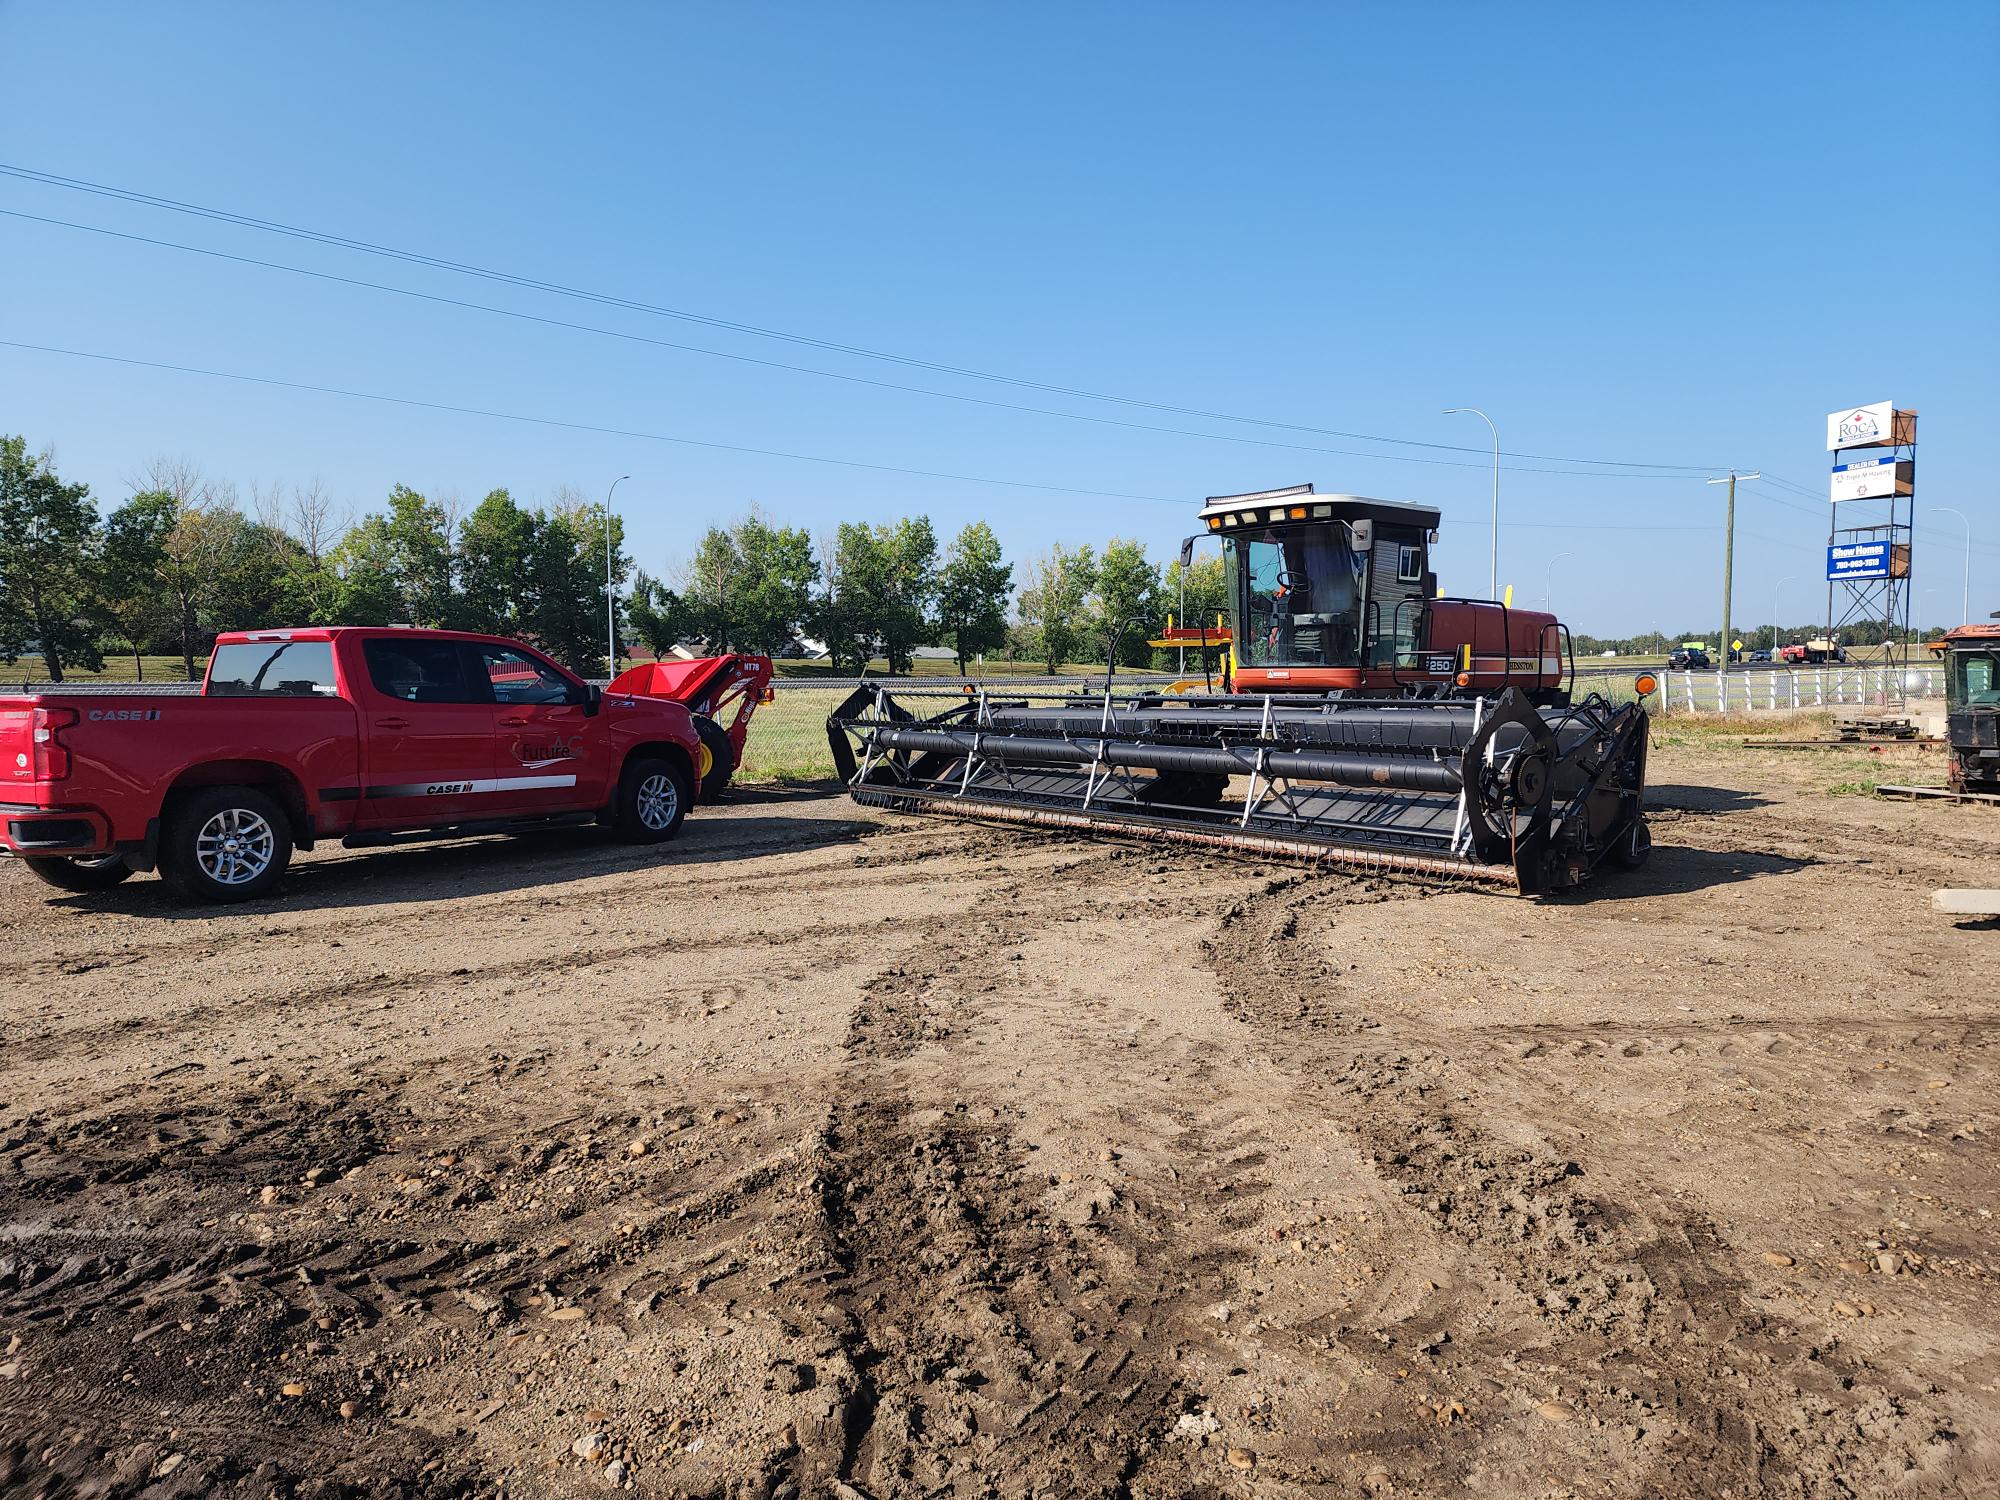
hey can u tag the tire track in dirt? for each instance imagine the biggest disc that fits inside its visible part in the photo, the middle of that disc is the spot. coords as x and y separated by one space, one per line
992 1350
1640 1315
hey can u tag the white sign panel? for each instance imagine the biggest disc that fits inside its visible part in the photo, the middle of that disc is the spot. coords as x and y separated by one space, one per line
1860 425
1867 478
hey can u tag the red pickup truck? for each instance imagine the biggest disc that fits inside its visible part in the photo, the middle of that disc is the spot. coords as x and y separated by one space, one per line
365 735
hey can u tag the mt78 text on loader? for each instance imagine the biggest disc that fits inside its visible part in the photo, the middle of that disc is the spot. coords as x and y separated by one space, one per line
1362 721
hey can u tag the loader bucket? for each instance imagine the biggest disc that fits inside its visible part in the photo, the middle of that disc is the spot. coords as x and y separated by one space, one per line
1494 790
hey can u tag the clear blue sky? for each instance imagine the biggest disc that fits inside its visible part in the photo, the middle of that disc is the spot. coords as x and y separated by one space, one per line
1677 234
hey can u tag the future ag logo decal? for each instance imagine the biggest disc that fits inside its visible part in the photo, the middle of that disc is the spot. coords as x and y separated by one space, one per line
563 747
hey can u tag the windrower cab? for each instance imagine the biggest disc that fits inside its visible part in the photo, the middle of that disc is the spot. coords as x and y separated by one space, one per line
1336 593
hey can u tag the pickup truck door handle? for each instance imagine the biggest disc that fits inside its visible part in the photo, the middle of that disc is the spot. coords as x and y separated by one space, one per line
514 723
392 723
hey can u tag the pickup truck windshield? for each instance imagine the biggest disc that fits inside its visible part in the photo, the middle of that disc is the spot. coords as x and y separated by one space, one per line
279 669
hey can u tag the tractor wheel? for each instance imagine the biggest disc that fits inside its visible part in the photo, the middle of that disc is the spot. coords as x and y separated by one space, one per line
721 759
1632 846
90 872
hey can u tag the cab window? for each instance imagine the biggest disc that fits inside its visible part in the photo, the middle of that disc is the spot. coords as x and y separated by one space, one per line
420 671
516 677
280 669
1300 597
1974 680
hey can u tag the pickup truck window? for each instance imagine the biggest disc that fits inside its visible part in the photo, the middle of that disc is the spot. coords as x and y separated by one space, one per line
256 669
420 671
518 678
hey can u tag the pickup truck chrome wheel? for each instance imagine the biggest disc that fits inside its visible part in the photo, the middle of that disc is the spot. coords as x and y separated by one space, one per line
658 800
225 843
235 846
653 797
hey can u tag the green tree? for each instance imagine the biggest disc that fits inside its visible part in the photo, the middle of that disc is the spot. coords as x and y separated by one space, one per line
749 587
563 611
1125 603
493 547
708 587
308 586
658 616
773 592
50 542
364 563
248 592
1054 602
974 588
587 519
129 599
879 597
419 537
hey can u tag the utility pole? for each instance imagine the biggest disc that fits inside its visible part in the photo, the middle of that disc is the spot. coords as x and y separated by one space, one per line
610 594
1729 555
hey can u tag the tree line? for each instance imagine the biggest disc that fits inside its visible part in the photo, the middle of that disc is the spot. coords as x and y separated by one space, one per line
183 559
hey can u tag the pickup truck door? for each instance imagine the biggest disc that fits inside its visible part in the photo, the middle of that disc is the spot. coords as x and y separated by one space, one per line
427 727
545 755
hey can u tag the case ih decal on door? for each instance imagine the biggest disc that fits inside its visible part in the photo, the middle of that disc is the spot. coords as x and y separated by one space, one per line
472 785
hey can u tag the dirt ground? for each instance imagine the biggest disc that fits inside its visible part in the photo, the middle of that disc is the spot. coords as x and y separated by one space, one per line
832 1153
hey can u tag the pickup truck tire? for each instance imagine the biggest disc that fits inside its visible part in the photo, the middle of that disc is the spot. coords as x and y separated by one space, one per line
721 758
652 800
94 872
225 843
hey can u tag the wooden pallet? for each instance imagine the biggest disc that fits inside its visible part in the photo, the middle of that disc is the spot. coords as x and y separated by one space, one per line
1992 799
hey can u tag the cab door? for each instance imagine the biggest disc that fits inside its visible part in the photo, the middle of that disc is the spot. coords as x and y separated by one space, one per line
427 724
543 760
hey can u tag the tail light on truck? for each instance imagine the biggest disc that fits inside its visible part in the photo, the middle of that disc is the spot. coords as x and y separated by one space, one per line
51 756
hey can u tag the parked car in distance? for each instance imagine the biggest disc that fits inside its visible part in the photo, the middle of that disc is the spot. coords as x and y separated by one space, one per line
365 735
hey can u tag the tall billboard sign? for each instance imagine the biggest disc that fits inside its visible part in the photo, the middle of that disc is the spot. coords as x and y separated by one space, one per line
1876 426
1873 478
1874 459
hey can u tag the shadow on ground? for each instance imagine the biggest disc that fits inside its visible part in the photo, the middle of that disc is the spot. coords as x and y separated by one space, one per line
452 869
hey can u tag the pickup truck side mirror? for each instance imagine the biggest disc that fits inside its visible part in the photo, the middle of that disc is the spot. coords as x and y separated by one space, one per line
593 699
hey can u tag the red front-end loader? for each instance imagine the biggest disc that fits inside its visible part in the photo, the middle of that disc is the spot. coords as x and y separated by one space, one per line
721 692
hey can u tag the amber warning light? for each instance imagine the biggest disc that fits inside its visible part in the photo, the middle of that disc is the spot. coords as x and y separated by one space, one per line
1645 684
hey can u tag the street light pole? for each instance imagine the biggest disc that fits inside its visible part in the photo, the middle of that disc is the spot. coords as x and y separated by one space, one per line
1493 582
610 595
1965 589
1729 555
1788 578
1549 577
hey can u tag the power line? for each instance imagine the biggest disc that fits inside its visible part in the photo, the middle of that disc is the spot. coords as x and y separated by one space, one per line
507 416
639 338
247 221
658 437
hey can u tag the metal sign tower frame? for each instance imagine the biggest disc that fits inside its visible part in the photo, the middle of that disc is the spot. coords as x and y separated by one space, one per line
1850 601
